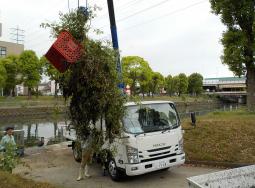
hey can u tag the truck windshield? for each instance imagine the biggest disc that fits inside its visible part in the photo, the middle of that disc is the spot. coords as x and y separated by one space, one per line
150 118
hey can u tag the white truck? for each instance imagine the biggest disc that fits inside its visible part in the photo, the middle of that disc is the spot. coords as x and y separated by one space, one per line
151 139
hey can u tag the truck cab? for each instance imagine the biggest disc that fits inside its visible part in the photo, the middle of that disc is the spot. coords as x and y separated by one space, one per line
151 140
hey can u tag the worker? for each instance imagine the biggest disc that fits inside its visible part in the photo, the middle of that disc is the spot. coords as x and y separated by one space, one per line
7 139
87 153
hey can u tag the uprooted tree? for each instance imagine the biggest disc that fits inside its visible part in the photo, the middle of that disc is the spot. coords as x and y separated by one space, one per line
91 83
238 40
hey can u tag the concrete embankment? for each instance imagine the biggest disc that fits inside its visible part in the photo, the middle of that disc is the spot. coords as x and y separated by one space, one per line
31 111
35 111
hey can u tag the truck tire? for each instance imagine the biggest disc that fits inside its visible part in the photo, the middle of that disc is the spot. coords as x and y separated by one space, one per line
76 152
113 171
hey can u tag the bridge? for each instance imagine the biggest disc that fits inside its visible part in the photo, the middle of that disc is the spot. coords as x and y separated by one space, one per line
233 88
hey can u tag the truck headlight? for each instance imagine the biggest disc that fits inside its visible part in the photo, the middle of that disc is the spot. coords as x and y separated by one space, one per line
180 150
132 155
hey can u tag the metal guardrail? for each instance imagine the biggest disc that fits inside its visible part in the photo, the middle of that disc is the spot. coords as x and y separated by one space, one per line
204 112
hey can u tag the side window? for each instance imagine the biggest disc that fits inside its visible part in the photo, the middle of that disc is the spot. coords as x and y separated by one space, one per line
173 116
3 51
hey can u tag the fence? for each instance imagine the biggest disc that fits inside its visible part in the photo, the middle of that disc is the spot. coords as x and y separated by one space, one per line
226 107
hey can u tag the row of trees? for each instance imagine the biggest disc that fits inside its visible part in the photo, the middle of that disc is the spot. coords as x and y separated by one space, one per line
142 79
26 68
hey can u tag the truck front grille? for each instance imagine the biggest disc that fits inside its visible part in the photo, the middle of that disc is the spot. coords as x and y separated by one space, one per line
156 158
159 149
157 154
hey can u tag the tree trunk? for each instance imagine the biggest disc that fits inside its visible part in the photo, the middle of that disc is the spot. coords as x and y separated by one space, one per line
29 93
13 92
132 89
55 129
250 89
29 132
250 75
56 92
37 91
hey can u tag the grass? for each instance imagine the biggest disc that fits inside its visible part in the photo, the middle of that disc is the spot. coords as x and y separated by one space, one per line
222 137
10 181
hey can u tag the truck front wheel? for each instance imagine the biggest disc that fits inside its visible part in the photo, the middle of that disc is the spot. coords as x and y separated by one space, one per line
114 173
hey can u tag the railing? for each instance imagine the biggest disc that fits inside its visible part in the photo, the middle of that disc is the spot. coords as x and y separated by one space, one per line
229 107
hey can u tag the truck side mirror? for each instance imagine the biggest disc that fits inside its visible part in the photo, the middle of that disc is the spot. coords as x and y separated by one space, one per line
193 118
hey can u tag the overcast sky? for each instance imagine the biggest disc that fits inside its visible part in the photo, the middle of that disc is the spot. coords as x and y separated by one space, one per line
174 36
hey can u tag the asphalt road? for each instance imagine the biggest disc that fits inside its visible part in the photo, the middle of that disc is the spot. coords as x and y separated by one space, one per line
55 165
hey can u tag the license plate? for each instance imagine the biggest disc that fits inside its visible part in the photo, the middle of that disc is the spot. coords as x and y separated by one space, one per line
162 164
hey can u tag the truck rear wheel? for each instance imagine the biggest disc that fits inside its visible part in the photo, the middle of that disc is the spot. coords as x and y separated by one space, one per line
76 151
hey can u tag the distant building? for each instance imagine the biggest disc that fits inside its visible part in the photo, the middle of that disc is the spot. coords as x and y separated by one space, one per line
21 90
45 88
224 84
9 48
48 88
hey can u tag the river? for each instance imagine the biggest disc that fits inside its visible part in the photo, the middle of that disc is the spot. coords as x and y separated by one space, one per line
49 130
44 131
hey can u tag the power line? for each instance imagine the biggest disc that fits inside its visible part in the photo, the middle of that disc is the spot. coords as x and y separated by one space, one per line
31 22
125 6
165 15
18 35
144 10
141 11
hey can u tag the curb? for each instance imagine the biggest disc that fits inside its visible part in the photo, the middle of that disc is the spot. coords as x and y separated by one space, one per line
217 163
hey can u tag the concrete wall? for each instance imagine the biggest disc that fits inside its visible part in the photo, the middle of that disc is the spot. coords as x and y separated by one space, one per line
183 108
12 48
31 111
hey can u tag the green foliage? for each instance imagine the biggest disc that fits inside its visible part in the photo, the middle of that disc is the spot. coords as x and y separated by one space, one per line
176 84
183 83
171 84
8 159
13 73
233 43
91 83
157 82
3 75
31 68
75 22
195 86
136 72
238 39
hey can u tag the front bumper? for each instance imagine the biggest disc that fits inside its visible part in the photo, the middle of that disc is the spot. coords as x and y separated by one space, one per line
145 167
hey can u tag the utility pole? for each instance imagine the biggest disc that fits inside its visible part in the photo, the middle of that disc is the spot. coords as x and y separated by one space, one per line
115 40
17 35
